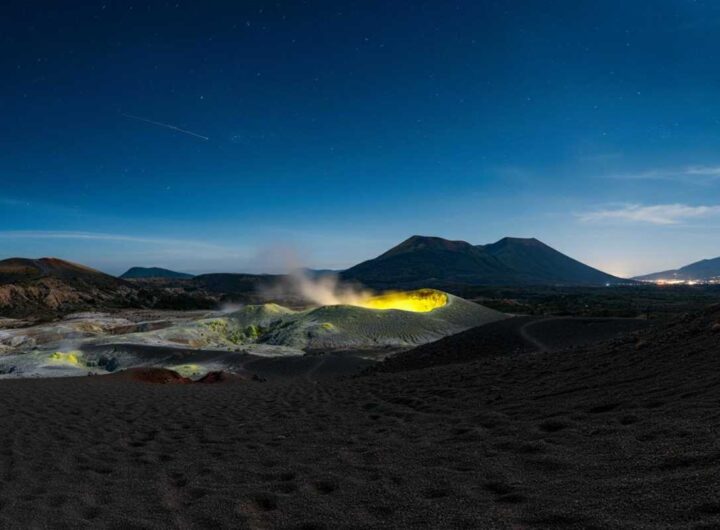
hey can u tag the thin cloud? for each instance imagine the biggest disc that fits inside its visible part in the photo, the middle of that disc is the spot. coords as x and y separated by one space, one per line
183 244
659 214
704 171
688 174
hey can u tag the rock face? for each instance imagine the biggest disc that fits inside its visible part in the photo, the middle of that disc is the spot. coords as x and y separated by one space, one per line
435 262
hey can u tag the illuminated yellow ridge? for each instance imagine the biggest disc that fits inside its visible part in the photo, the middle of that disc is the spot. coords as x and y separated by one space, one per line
420 301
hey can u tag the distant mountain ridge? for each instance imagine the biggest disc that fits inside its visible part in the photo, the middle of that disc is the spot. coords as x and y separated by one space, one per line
234 282
434 262
536 262
49 285
704 270
52 286
138 273
19 270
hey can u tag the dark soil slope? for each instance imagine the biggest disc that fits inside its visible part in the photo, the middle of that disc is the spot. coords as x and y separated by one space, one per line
512 336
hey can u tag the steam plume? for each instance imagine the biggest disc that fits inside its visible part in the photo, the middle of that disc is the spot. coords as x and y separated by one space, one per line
302 285
325 289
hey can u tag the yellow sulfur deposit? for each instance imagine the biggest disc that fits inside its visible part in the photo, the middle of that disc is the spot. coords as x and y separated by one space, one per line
188 370
71 357
420 301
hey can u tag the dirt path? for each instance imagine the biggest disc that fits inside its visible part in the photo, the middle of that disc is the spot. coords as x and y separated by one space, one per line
309 375
555 333
541 346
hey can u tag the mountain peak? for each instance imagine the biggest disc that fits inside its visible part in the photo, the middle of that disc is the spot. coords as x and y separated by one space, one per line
424 261
517 241
418 242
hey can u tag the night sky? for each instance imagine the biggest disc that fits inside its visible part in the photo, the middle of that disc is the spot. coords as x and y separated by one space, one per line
337 129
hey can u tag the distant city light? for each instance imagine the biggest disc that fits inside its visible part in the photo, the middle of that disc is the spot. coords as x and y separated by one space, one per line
675 281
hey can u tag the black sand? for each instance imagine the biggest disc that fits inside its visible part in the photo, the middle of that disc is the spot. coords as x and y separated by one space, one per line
619 435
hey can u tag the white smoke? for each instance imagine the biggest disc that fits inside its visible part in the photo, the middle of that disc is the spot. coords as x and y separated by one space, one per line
230 307
300 285
324 289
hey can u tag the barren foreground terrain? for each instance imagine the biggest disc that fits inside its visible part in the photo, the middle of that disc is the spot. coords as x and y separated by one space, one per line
621 434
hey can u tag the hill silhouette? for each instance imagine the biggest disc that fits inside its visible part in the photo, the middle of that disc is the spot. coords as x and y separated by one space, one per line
47 285
142 273
21 270
703 270
433 261
234 283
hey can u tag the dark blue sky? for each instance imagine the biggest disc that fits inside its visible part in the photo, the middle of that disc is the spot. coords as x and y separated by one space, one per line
337 129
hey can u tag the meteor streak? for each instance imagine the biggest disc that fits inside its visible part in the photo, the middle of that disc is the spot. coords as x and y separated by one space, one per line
166 125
